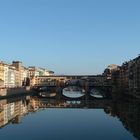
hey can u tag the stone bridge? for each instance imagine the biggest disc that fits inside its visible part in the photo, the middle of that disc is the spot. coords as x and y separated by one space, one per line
69 80
58 83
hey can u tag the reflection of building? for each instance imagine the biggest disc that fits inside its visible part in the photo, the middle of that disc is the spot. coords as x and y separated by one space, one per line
1 117
8 112
12 111
128 113
2 102
18 108
127 110
34 104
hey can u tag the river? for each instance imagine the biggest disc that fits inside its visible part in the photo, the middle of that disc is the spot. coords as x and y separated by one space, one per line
28 117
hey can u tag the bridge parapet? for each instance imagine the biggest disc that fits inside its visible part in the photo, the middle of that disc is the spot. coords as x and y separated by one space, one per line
68 80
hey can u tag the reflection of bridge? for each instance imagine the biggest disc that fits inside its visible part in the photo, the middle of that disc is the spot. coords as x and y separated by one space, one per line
90 104
126 109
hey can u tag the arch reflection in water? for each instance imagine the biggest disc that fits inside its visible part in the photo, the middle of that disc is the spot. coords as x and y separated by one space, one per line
73 92
73 102
96 94
45 92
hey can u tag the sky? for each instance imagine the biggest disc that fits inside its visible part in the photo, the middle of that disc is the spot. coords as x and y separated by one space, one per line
70 36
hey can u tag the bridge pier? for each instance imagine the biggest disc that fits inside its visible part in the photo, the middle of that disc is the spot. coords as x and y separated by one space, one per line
87 90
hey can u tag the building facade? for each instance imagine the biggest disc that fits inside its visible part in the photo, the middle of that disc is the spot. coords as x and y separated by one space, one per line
126 78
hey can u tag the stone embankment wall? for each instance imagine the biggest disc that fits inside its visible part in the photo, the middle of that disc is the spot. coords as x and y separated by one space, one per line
13 91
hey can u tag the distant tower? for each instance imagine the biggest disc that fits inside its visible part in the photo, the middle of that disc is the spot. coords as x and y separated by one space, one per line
17 65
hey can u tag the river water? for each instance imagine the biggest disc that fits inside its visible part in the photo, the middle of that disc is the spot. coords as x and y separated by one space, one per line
33 118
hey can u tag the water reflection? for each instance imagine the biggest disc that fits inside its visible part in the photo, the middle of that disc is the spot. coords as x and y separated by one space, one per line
127 111
45 92
96 94
73 92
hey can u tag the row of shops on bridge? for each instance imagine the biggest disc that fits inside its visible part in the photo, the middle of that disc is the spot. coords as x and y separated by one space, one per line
67 80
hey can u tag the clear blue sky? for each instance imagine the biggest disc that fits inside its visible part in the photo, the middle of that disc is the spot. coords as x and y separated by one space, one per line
70 36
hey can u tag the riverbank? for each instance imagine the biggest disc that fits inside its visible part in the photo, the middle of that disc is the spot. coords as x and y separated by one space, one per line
15 92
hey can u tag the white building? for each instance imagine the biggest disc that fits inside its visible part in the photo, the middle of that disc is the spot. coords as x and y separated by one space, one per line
48 73
11 76
35 71
6 68
112 67
25 73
